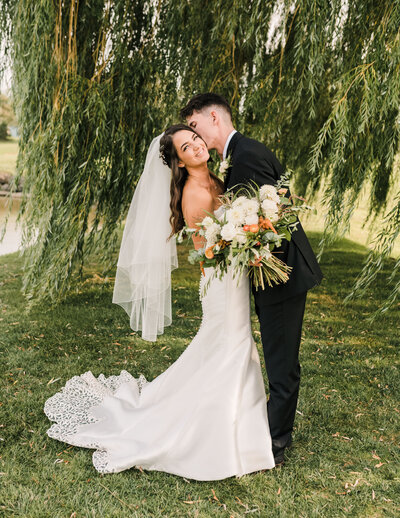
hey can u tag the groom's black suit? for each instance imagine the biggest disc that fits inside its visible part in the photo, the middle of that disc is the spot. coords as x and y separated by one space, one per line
280 309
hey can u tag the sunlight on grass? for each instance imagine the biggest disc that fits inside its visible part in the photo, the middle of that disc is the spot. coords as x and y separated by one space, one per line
8 155
344 460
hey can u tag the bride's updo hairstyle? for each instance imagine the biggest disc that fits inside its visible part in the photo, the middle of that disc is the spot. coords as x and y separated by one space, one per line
179 174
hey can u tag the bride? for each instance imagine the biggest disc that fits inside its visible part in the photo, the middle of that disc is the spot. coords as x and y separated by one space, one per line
205 417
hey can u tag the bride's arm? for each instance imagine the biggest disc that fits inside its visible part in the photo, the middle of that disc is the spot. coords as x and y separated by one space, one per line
195 204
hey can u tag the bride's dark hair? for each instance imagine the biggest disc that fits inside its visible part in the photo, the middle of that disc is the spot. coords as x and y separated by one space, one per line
170 158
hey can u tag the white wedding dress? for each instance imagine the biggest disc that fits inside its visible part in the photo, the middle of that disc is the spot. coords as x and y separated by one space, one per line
204 418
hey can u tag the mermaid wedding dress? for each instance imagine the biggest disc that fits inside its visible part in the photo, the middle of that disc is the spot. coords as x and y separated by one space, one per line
204 418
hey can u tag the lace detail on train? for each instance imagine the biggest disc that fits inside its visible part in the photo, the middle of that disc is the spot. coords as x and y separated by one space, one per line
203 418
71 407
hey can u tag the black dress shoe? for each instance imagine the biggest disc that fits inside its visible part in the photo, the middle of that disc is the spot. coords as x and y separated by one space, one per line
279 459
278 449
279 456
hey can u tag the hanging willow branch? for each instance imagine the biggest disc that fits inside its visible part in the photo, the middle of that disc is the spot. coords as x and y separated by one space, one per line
93 82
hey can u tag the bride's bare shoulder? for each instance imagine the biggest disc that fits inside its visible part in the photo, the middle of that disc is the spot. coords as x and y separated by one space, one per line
195 201
193 194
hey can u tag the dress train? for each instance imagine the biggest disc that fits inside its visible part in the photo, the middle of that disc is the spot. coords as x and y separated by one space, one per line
203 418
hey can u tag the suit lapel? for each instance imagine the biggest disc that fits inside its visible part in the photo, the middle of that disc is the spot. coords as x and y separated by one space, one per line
229 153
233 142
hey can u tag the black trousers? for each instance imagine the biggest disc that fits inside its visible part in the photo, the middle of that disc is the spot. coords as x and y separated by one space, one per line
280 326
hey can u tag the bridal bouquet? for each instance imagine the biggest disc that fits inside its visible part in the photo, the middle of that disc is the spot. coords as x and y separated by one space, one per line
245 230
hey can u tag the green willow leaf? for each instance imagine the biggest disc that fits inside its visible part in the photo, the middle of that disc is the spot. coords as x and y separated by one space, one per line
94 82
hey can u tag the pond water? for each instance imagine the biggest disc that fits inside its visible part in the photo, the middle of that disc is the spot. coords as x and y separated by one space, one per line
12 239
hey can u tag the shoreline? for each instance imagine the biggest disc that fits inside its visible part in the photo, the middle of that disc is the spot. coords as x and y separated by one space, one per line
6 194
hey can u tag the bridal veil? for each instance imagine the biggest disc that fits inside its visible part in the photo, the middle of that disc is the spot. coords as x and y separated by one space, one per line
147 256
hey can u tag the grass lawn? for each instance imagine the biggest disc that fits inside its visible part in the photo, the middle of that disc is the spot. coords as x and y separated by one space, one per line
8 155
344 460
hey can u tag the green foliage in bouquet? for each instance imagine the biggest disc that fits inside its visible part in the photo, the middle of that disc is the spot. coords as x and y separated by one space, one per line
248 226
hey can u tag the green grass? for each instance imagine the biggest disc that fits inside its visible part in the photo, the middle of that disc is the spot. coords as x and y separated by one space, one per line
8 155
344 460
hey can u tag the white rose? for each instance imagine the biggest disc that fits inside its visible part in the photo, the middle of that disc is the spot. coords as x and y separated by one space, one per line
225 165
271 214
269 206
239 201
268 192
251 206
211 233
235 215
251 219
207 221
270 210
228 232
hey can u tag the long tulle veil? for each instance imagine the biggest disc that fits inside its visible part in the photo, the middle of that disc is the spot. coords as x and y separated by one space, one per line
147 257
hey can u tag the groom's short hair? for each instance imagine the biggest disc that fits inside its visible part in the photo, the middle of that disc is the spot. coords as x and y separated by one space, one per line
200 101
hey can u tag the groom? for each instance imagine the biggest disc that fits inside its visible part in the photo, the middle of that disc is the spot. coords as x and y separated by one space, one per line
280 309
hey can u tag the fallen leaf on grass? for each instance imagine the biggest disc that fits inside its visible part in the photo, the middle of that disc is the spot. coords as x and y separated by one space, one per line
349 484
52 381
191 501
217 499
240 502
379 465
342 436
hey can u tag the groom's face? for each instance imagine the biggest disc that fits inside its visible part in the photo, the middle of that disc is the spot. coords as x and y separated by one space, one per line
204 123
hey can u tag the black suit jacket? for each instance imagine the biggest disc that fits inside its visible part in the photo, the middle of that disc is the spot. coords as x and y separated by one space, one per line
253 161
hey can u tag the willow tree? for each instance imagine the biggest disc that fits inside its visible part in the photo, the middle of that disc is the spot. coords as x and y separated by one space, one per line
84 76
318 81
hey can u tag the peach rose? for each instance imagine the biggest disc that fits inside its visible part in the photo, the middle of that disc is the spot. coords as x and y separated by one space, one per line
209 252
254 228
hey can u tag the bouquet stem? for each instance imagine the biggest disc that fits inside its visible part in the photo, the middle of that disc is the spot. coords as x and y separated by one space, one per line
271 271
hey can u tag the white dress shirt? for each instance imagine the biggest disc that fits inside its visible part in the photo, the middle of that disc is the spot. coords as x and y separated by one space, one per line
227 144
